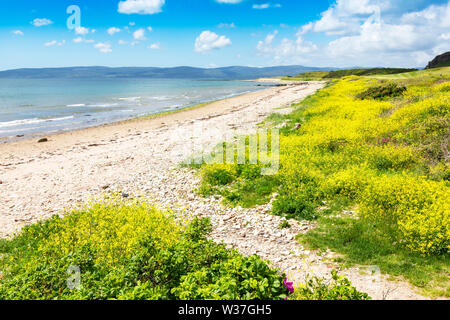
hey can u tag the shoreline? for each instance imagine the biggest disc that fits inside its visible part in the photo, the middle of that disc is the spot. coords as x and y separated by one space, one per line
41 179
48 134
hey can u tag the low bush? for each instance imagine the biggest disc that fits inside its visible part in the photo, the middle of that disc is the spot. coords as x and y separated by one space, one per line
131 250
418 210
218 175
388 91
294 206
338 288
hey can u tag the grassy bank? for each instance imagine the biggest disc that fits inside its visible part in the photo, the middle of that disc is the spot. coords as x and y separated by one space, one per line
320 75
369 160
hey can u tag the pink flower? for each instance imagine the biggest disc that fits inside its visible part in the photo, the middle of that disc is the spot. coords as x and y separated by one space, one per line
289 286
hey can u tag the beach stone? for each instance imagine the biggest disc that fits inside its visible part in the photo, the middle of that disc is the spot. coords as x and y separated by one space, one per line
42 140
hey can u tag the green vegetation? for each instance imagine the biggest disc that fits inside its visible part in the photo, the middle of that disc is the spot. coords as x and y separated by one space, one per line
239 185
363 242
442 64
379 147
382 92
308 76
339 288
435 74
131 250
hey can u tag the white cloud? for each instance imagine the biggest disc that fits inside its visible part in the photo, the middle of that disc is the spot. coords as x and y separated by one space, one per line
111 31
103 47
415 35
141 6
366 33
346 16
18 32
38 22
265 6
81 31
227 25
139 35
82 40
229 1
286 49
445 36
55 43
264 46
150 29
155 46
261 6
208 41
122 42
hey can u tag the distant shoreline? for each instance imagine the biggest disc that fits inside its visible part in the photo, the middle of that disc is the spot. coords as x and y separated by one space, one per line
42 134
38 135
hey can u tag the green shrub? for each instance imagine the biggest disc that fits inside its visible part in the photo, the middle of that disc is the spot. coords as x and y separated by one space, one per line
294 206
136 252
164 260
390 90
339 288
218 175
417 210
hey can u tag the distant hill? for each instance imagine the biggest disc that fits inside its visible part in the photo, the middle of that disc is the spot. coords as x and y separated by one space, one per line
226 73
442 60
335 74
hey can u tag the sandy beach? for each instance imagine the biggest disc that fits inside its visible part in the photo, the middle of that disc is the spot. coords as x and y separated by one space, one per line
141 157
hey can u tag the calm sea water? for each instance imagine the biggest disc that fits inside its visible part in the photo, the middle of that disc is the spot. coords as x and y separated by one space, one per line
30 106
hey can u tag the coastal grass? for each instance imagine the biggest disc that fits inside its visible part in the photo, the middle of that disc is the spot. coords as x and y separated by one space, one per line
364 243
379 146
337 74
442 74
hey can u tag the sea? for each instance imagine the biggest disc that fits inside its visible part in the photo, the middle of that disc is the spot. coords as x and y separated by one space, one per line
45 106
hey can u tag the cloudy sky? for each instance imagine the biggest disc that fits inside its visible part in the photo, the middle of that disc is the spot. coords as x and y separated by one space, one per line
210 33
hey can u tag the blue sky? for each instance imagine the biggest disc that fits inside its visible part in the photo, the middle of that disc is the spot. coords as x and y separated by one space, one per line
209 33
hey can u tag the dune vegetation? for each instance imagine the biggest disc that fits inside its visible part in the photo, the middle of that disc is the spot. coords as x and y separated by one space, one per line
368 159
130 249
321 75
